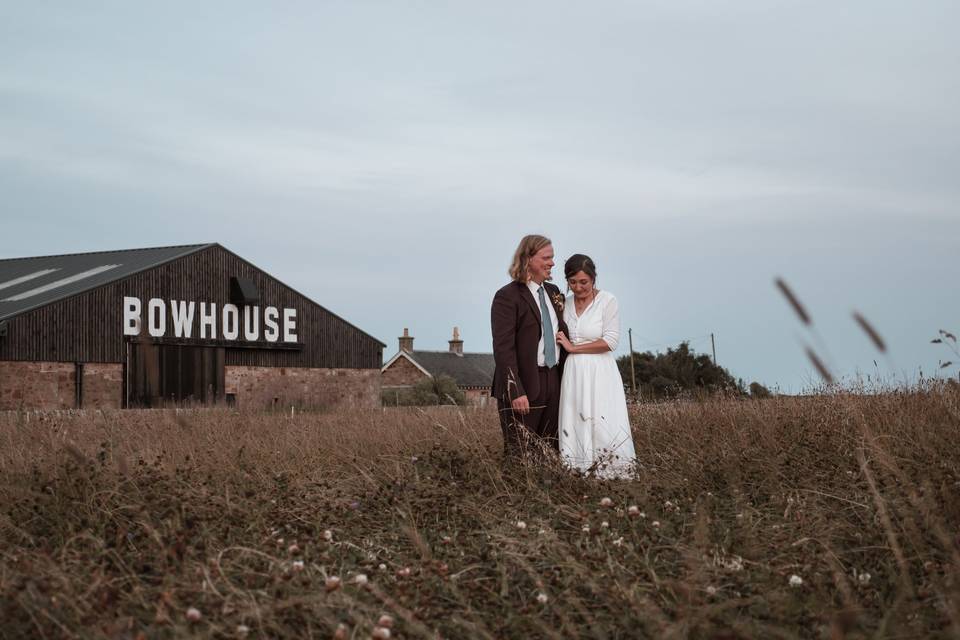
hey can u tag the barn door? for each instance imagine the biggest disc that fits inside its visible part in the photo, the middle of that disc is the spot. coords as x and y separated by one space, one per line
162 375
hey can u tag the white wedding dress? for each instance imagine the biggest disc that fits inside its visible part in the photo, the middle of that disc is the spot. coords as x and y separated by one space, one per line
594 427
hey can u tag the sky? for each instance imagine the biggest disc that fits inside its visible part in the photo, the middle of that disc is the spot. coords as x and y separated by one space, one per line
385 158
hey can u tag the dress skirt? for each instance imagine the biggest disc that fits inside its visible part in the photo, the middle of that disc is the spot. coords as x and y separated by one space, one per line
595 434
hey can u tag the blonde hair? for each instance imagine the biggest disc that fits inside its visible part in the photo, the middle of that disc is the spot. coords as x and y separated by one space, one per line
529 247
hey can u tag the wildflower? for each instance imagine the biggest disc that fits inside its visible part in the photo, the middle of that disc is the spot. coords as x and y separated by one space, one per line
243 630
414 458
541 532
668 505
585 528
382 567
796 581
711 590
634 512
194 615
521 525
297 566
606 502
293 549
328 535
404 572
542 598
604 525
385 621
656 524
446 539
380 633
332 583
280 542
342 633
361 580
863 578
618 542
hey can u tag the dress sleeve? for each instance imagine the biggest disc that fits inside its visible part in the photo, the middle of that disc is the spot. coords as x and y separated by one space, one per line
611 323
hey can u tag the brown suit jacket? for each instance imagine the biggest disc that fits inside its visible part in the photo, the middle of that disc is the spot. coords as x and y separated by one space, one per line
515 321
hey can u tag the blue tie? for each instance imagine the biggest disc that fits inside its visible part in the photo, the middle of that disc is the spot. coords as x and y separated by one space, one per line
549 340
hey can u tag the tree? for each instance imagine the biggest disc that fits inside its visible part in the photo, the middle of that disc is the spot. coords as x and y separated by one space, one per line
759 392
679 370
438 390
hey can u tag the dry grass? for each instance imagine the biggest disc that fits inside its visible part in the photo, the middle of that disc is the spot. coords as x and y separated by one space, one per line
113 525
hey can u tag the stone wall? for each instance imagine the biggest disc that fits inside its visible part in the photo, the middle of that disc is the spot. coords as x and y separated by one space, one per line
102 385
402 373
479 397
281 388
37 385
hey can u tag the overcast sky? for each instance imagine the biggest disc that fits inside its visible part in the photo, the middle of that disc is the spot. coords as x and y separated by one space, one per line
385 158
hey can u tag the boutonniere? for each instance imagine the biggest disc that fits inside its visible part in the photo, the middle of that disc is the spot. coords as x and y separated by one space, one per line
558 301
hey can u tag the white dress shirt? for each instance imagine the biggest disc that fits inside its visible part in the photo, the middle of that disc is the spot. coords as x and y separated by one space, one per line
535 290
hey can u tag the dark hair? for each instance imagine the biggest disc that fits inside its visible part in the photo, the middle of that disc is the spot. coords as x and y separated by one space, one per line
577 263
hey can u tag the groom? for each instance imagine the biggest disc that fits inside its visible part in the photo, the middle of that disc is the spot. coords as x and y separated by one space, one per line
525 318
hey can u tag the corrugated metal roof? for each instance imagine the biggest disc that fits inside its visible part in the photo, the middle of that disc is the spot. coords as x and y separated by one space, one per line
29 283
469 369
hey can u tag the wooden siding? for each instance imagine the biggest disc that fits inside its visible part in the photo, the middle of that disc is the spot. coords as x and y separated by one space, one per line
88 326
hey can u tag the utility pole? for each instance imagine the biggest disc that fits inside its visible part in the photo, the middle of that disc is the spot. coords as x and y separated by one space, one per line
633 372
713 345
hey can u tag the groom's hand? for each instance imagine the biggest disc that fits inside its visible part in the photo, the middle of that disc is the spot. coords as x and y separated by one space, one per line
521 405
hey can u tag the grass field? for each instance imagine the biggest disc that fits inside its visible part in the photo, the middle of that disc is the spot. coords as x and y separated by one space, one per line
834 516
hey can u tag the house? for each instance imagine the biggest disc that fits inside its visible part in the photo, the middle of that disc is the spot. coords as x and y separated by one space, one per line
473 372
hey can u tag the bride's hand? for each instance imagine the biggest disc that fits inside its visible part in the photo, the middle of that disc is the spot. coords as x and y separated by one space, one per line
564 342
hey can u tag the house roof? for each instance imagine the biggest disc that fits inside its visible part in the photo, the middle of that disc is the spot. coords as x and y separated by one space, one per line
468 370
29 283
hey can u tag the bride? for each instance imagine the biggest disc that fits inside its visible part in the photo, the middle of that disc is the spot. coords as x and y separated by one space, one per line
594 428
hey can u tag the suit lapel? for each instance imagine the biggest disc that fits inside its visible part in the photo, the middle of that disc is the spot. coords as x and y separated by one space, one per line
527 295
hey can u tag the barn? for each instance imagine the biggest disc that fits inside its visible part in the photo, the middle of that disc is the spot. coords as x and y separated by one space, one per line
184 325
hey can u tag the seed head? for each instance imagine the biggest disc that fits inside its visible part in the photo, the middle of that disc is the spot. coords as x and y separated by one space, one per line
380 633
604 525
194 615
863 578
361 580
243 630
404 572
297 566
606 503
328 535
385 621
542 598
796 581
521 525
332 583
655 524
293 549
342 633
711 590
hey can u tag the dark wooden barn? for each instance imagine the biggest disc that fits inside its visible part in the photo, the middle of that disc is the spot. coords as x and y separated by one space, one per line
187 324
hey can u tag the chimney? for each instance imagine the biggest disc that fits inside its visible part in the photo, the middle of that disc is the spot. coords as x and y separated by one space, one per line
406 341
456 345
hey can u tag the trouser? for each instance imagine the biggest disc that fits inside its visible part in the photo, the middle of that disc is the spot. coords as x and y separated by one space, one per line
542 421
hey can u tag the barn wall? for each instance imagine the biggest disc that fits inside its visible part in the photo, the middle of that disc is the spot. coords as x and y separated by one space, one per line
88 327
280 388
37 385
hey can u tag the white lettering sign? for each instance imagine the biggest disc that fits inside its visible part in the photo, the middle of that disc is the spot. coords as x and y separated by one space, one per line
131 316
184 315
182 318
156 317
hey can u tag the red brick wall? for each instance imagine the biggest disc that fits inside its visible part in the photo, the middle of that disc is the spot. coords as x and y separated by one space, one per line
102 385
278 387
37 385
402 373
